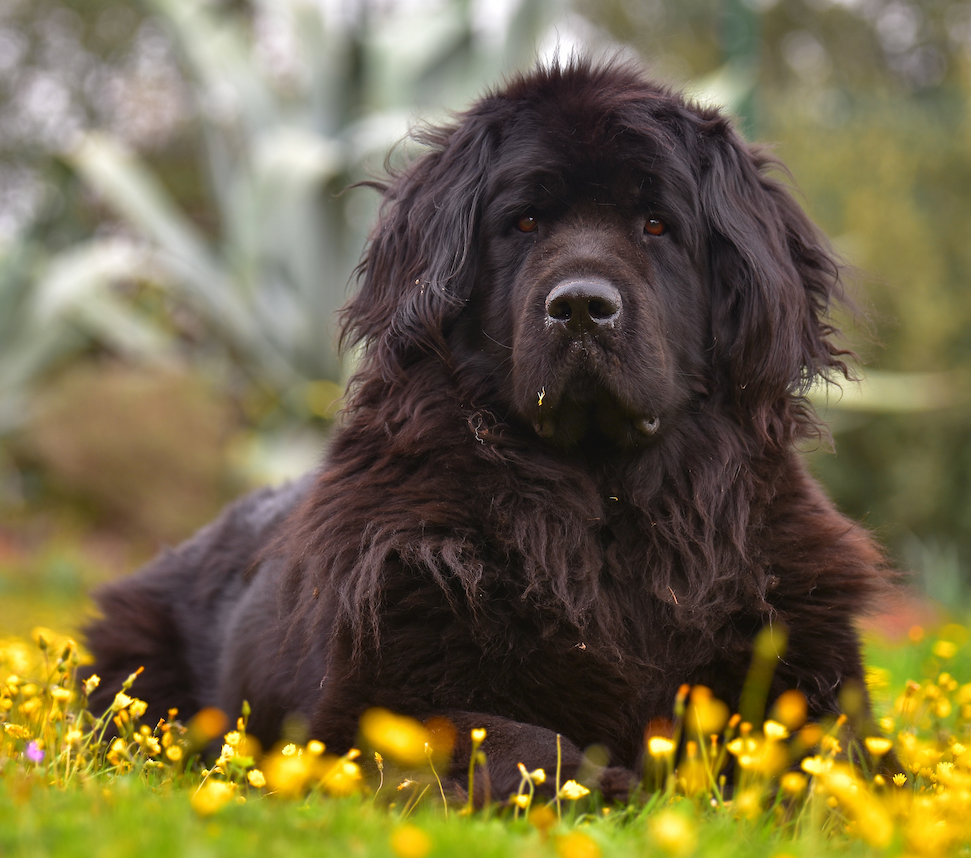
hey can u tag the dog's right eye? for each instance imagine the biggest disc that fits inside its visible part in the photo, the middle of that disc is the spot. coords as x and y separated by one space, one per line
527 223
655 227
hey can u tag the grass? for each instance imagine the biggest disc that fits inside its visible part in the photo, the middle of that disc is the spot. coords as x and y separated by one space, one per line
64 790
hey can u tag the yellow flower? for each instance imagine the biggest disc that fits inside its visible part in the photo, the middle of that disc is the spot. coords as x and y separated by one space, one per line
91 683
121 701
577 844
877 745
316 747
397 736
793 783
205 725
573 791
775 731
343 777
521 800
816 765
673 832
659 746
748 803
232 738
410 841
212 796
945 649
61 695
899 779
288 774
17 731
290 750
831 744
256 778
137 707
174 753
478 735
706 713
537 777
149 744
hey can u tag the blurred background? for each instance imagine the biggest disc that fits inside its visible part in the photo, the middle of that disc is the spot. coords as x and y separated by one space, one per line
175 236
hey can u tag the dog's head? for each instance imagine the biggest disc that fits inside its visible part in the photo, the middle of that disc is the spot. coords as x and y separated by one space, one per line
595 258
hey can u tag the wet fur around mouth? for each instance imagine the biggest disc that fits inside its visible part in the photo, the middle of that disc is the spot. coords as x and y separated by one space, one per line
539 518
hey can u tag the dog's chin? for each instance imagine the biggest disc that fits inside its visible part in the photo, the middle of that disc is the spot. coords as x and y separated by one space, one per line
595 422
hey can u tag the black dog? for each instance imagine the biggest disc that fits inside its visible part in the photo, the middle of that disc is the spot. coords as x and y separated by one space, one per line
564 483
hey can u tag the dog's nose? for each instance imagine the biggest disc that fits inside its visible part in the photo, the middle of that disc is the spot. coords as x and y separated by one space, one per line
583 305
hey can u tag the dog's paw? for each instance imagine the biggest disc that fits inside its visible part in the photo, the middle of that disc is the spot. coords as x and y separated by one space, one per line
616 783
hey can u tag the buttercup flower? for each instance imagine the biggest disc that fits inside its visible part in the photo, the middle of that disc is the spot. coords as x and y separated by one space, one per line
877 745
573 791
673 832
121 701
212 796
409 841
658 746
397 736
577 844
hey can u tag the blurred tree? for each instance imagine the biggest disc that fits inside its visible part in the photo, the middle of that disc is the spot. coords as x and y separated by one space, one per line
854 45
869 103
242 269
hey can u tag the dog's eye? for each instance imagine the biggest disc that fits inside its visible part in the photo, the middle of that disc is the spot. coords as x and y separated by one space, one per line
527 223
653 226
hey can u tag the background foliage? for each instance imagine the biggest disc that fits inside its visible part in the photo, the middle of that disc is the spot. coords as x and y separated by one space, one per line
175 235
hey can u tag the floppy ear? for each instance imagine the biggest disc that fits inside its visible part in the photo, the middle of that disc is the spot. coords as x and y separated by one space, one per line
418 270
774 280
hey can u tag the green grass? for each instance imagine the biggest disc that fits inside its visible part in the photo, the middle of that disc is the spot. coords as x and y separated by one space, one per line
130 801
129 818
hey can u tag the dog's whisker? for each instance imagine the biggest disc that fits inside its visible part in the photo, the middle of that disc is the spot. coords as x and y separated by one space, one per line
490 337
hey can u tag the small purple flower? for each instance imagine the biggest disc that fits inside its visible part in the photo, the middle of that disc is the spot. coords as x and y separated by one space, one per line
34 753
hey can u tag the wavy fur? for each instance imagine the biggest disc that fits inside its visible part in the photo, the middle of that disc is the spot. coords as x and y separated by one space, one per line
525 523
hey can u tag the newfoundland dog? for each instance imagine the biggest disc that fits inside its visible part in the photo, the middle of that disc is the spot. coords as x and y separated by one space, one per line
564 482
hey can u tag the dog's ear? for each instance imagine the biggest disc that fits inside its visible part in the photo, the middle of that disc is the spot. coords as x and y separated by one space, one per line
774 280
418 270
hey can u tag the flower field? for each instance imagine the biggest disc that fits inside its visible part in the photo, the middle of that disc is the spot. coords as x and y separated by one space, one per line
88 783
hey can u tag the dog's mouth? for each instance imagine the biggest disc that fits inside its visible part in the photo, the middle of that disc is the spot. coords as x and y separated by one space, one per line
577 358
585 412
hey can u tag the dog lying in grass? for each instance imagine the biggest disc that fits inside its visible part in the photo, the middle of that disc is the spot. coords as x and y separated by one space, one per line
564 482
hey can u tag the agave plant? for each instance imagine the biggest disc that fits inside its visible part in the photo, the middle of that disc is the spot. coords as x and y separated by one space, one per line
295 104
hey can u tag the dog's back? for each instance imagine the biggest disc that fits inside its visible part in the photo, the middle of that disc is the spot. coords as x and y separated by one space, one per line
170 617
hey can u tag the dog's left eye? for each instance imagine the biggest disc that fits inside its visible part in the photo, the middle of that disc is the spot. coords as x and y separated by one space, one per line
527 223
653 226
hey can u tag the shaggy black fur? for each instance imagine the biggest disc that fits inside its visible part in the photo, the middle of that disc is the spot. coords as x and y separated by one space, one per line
564 483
